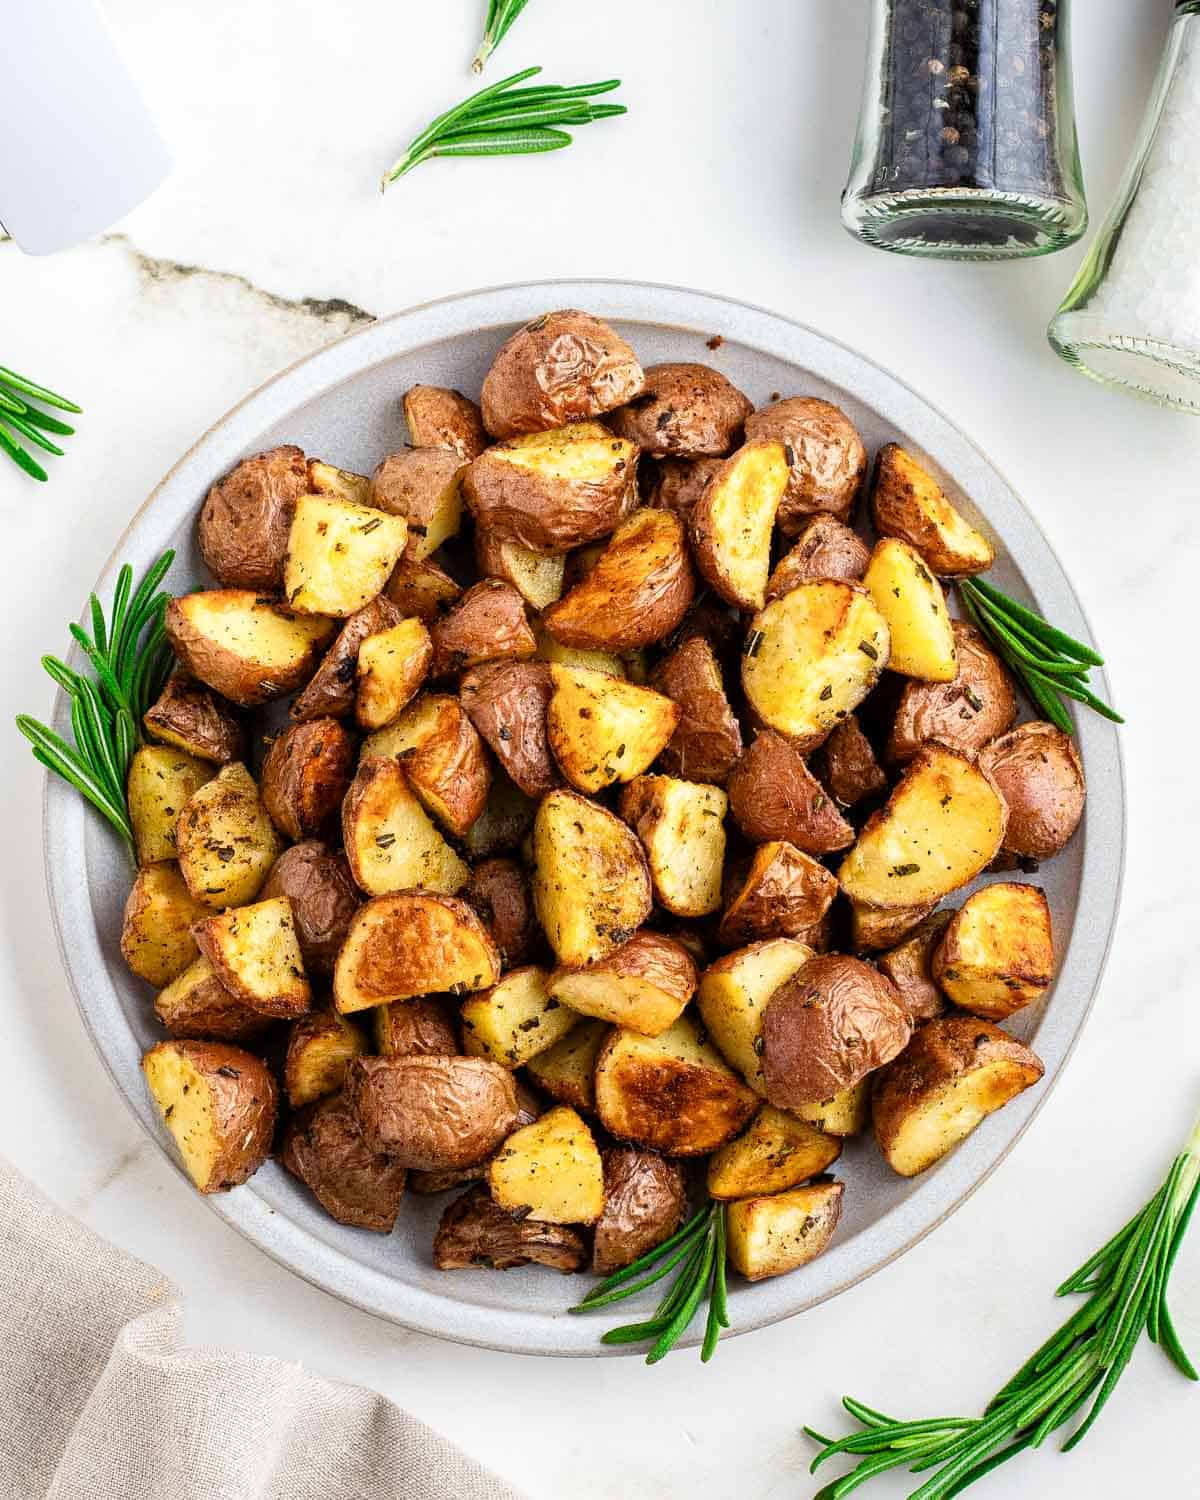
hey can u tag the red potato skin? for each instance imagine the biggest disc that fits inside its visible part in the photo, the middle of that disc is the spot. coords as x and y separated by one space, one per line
829 463
685 411
431 1113
644 1202
306 775
785 893
846 765
825 548
324 898
331 690
708 739
324 1148
499 891
680 482
476 1232
1040 777
773 795
507 703
487 623
244 522
967 713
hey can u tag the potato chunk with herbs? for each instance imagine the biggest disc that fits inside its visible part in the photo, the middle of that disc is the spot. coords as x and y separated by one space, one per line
515 1020
997 954
911 600
339 555
550 1171
780 1233
682 828
227 842
256 955
602 730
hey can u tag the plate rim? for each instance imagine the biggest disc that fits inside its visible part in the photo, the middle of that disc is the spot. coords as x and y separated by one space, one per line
65 818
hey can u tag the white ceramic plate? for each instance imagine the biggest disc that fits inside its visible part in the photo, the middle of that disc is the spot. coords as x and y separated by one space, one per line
344 404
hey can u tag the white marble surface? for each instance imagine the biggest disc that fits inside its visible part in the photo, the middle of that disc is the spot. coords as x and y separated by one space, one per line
725 176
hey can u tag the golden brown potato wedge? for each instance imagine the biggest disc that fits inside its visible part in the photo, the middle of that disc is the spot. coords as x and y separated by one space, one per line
156 930
441 418
643 985
318 883
538 578
911 600
733 521
828 461
515 1020
773 795
443 758
324 1147
330 693
196 1004
192 718
812 656
507 704
305 775
487 623
339 555
550 1171
421 590
476 1232
776 1152
390 841
1038 773
845 1114
432 1113
943 825
247 648
953 1074
979 704
638 592
734 992
227 842
342 484
875 927
219 1103
824 548
392 665
603 730
784 893
673 1092
780 1233
682 828
707 739
909 965
243 526
591 883
411 944
160 782
424 485
255 954
684 411
997 954
907 502
562 367
644 1202
415 1028
566 1071
554 652
846 765
679 483
319 1049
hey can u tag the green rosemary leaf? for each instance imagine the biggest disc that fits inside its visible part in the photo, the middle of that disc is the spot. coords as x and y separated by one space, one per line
28 430
693 1226
1046 632
23 460
500 16
634 1333
9 402
687 1309
513 143
443 121
65 762
27 387
44 419
720 1273
633 1287
573 112
521 98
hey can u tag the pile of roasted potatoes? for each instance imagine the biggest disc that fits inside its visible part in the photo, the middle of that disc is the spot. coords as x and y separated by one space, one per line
598 858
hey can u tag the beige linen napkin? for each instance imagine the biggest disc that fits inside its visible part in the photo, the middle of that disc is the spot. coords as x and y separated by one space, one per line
100 1400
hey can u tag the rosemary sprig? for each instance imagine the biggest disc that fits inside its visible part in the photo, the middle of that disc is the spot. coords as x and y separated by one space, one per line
1051 664
1080 1364
20 418
503 120
500 16
131 661
698 1249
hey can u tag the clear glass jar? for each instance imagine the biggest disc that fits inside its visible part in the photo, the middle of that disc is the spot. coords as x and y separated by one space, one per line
1132 316
966 144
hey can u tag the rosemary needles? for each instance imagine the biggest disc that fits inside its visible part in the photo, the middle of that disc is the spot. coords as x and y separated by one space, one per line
504 120
500 16
131 661
20 417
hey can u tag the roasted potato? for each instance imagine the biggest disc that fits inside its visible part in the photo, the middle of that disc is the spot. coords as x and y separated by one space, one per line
476 1232
432 1113
428 1184
780 1233
390 841
159 784
417 1027
443 758
556 654
638 592
196 1004
487 623
422 590
827 462
255 954
319 1049
875 927
507 703
997 954
515 1020
910 599
943 825
562 367
1038 773
776 1152
836 1020
156 930
355 1185
707 739
243 646
643 985
683 411
305 776
954 1072
567 1070
824 548
644 1201
330 693
227 842
220 1105
440 418
907 502
244 522
784 893
550 1171
504 823
536 577
554 490
411 944
732 522
673 1092
339 556
679 483
392 665
812 656
591 882
194 719
773 795
343 484
603 730
909 965
424 485
323 896
682 828
500 892
734 992
966 713
845 1114
846 765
